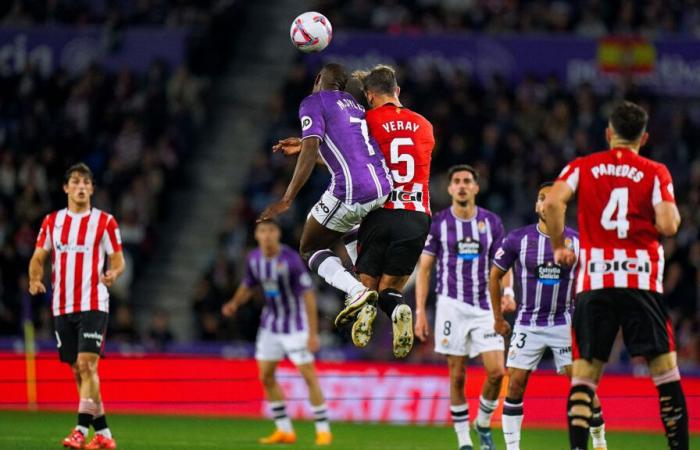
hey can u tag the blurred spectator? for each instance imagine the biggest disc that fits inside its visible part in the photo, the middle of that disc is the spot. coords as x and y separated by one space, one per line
159 332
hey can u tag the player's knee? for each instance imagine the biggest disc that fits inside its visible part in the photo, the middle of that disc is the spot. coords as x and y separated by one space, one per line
516 388
267 379
495 374
457 377
85 368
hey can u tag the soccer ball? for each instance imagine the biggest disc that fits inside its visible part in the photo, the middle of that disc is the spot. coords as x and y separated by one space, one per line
311 32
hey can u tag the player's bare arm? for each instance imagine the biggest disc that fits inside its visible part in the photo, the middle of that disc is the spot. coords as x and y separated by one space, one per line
555 216
310 304
242 295
116 268
667 219
36 271
508 298
425 266
302 172
496 277
289 146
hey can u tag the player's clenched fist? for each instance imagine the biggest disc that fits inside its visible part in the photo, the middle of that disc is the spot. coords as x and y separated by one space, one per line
502 327
36 288
229 309
564 257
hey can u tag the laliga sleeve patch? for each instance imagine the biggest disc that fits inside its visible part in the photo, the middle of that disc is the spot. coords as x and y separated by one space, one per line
306 123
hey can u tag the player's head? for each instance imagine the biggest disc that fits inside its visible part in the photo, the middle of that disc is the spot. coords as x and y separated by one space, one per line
628 125
355 88
268 234
463 184
78 184
541 195
332 77
380 85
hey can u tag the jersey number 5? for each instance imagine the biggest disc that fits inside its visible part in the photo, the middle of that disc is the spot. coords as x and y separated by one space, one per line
396 157
619 198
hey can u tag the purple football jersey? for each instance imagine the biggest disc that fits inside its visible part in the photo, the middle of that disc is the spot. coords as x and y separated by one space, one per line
283 279
464 250
543 289
358 171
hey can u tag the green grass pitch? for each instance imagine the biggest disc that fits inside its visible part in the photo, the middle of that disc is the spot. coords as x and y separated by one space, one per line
43 430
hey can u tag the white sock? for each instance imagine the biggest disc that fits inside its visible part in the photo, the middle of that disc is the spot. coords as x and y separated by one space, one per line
512 423
350 241
279 413
82 429
460 421
332 270
598 436
486 409
321 418
105 432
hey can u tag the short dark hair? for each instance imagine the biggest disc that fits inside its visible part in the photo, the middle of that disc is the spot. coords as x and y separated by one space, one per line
268 222
336 75
546 184
461 168
629 121
381 79
81 169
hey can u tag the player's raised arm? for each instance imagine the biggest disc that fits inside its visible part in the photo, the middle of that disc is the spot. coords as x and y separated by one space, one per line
555 216
36 271
425 266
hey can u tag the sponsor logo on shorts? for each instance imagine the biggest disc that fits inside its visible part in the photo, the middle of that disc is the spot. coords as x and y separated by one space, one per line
96 336
468 248
322 207
490 335
628 265
565 350
445 342
512 354
549 274
306 123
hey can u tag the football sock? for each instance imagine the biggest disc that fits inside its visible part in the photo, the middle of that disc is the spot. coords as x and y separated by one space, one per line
350 242
674 414
460 421
486 409
579 408
279 414
512 422
86 411
330 268
321 418
100 426
389 299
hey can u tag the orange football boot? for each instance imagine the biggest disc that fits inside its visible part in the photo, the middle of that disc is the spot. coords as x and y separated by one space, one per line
100 441
75 439
324 438
279 437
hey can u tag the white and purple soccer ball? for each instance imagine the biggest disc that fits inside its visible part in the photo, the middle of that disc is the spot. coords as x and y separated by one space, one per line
311 32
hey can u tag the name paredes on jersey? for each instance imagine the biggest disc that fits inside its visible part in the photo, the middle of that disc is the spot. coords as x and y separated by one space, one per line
617 170
400 125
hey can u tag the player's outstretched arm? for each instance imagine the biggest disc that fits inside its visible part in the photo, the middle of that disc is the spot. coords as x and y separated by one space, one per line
312 314
425 266
242 296
668 219
496 277
289 146
36 271
555 216
116 268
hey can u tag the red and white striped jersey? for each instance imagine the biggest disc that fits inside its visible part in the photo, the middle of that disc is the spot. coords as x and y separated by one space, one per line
617 192
78 244
407 141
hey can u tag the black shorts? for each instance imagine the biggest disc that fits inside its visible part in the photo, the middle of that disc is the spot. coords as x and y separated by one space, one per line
642 316
80 332
390 242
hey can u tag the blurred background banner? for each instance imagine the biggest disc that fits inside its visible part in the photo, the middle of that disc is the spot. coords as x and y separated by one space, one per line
74 50
665 66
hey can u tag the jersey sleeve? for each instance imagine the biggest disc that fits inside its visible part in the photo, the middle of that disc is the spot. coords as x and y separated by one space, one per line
432 242
313 124
112 239
249 279
663 186
497 234
300 278
570 174
43 239
506 254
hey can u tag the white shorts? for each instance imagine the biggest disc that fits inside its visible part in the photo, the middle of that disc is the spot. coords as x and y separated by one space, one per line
271 346
338 216
529 343
464 330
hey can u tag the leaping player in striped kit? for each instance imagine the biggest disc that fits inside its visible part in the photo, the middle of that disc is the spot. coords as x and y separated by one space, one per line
78 238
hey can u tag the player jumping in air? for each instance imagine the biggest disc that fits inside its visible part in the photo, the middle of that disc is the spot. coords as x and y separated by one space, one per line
288 327
625 203
544 291
78 238
463 240
333 126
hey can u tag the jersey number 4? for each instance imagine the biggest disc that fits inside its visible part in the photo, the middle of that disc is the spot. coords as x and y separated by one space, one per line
619 198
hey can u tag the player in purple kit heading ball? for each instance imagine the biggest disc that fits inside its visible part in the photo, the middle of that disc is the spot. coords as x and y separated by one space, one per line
333 128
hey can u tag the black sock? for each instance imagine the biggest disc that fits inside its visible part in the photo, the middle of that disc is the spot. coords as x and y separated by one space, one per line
84 420
674 415
597 418
510 408
580 411
389 299
99 423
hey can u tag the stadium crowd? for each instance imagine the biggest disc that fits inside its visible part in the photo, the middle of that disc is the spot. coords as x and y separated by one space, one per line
517 137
